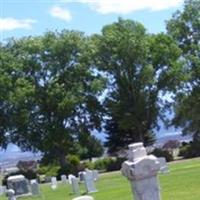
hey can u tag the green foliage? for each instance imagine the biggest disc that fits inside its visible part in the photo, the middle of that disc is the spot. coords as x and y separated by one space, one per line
184 27
190 150
55 96
140 67
163 153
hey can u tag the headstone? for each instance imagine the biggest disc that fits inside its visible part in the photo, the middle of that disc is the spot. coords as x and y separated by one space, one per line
11 194
81 176
141 170
163 165
89 181
35 190
2 190
47 179
64 179
84 198
75 185
95 174
70 176
54 183
19 184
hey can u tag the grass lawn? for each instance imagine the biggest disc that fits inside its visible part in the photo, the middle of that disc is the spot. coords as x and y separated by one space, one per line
182 183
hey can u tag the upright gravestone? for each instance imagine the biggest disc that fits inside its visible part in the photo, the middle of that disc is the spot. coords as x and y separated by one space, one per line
75 185
81 176
70 176
35 190
54 183
141 170
163 165
64 179
95 174
2 190
19 184
11 194
89 181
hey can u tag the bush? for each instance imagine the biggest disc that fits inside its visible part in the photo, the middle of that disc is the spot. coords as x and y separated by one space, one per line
190 150
163 153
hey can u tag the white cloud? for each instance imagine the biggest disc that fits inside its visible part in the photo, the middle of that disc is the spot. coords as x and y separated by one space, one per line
61 13
128 6
9 24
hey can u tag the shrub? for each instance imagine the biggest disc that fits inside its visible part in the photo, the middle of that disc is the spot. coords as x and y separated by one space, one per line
190 150
163 153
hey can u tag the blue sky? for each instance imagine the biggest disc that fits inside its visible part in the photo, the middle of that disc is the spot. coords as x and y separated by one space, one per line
33 17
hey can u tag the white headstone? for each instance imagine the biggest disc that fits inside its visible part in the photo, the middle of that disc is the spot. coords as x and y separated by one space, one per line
35 190
54 183
64 179
11 194
84 198
75 185
89 181
19 184
163 165
141 170
70 176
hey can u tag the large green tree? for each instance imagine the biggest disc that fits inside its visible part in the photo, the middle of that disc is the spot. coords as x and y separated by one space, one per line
56 93
141 68
184 27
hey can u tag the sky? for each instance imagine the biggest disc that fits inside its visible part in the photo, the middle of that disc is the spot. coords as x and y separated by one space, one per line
34 17
20 18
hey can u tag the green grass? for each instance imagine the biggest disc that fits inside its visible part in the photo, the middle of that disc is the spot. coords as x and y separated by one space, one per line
182 183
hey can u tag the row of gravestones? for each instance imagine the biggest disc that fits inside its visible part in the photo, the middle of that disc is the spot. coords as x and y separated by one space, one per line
88 177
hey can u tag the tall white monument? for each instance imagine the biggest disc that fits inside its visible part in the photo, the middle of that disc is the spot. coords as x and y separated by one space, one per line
141 170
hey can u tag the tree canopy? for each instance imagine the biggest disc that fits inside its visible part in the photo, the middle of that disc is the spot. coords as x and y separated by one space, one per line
184 27
141 68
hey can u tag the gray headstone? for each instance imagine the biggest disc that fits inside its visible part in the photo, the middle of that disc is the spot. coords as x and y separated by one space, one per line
19 184
163 165
75 185
11 194
35 190
81 176
64 179
2 190
89 182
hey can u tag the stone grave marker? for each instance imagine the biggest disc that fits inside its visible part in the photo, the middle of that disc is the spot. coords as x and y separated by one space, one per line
84 198
11 194
81 176
163 165
70 176
64 179
75 185
19 184
35 190
89 181
2 190
54 183
141 170
95 174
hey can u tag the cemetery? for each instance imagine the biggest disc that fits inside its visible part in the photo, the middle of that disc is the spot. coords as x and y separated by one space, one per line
100 100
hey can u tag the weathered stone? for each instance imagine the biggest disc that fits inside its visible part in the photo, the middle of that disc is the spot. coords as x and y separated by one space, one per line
81 176
75 185
141 170
35 190
54 183
11 194
89 181
2 190
163 165
95 174
64 179
19 184
70 176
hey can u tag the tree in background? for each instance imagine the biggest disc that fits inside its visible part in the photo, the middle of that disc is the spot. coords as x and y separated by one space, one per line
140 68
56 93
184 27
